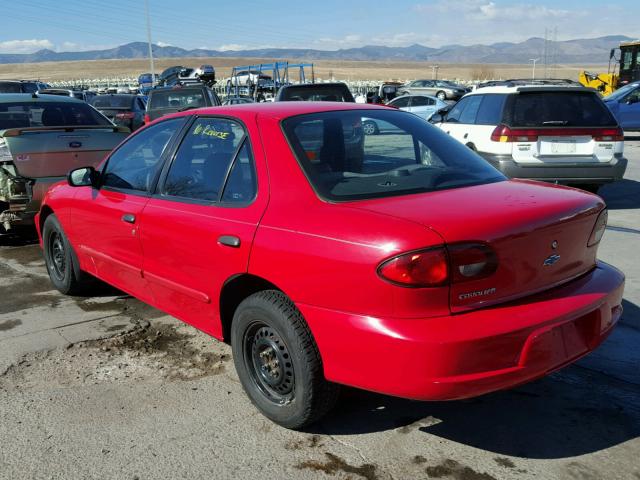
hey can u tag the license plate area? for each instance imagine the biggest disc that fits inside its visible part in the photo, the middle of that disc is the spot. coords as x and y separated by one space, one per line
562 147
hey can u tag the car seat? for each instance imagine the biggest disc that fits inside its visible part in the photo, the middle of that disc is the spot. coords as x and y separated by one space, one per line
53 117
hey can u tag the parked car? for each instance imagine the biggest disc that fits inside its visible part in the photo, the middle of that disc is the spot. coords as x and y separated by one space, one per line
313 259
315 92
625 106
237 100
65 92
249 78
559 134
442 89
125 110
166 100
421 105
41 139
21 86
386 92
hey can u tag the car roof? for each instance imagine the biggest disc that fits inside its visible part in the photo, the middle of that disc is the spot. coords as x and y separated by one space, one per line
529 88
30 98
315 85
279 110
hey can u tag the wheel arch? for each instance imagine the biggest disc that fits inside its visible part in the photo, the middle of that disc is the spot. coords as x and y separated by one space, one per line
234 291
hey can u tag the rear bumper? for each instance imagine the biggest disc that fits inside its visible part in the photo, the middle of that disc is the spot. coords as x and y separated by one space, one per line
469 354
560 173
22 213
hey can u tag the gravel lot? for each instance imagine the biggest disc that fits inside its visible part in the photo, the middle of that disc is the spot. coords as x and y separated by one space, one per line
106 387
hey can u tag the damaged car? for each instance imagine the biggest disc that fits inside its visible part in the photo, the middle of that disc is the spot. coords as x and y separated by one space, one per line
41 139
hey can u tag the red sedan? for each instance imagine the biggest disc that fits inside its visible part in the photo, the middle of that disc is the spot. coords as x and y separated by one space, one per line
400 263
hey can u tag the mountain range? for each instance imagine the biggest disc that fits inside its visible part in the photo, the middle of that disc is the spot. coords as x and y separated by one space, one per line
581 51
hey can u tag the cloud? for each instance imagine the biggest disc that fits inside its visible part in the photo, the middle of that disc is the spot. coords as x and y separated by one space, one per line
162 44
25 46
231 46
485 10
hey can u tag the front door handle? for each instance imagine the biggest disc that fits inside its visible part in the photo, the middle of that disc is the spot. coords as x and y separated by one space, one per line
129 218
229 241
466 135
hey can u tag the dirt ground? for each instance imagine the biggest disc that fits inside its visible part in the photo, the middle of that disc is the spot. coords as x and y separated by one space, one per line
340 70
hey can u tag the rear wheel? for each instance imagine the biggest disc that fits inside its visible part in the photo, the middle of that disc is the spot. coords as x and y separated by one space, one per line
278 362
441 95
60 260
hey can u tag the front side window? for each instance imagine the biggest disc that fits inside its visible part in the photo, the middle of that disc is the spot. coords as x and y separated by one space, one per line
421 102
455 113
343 164
213 164
401 102
134 165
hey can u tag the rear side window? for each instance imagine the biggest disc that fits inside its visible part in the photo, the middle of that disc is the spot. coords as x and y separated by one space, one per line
548 109
214 153
401 102
490 112
10 87
422 102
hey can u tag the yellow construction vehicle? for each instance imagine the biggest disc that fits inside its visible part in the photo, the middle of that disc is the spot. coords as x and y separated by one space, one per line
623 69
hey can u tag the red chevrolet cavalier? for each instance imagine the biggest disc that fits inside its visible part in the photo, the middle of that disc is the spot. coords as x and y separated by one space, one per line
400 263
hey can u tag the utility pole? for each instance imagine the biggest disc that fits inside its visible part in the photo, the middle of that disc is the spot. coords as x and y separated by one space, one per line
533 73
153 71
434 71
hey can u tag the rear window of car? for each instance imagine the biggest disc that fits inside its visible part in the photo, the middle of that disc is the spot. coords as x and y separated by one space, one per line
343 164
178 98
548 109
112 101
317 94
49 114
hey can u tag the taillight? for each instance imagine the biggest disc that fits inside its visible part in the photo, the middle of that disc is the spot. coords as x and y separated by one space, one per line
125 115
422 268
471 261
147 119
435 267
609 135
598 228
503 133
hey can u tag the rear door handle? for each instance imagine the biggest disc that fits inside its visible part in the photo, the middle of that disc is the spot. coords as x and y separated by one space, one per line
229 241
129 218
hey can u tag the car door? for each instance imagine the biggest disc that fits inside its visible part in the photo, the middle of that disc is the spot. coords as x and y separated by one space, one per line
629 110
198 227
422 106
451 123
106 220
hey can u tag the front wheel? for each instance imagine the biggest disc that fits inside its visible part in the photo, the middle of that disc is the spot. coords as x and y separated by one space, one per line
278 362
59 260
441 95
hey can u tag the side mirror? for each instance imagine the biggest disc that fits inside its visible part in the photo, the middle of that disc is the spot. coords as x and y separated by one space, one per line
632 100
436 118
82 177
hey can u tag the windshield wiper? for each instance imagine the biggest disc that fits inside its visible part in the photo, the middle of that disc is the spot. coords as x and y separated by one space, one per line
556 122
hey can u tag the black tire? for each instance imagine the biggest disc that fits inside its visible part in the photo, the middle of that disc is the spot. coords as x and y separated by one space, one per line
370 128
278 361
60 260
441 95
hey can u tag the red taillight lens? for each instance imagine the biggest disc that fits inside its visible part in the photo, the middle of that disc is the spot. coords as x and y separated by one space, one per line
471 261
423 268
502 133
439 266
146 118
125 115
598 228
609 135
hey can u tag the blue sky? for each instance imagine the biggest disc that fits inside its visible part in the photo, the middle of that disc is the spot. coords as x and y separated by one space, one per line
69 25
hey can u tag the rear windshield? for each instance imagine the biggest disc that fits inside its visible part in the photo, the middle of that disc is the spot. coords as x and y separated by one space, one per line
549 109
49 114
316 94
176 99
410 157
112 101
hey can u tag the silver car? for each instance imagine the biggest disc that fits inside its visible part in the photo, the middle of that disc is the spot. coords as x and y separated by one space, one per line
442 89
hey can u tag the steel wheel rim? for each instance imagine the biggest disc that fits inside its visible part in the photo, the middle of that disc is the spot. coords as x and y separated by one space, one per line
269 363
58 263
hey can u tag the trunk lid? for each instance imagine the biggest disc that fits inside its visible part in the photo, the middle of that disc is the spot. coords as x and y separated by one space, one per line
521 220
52 151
